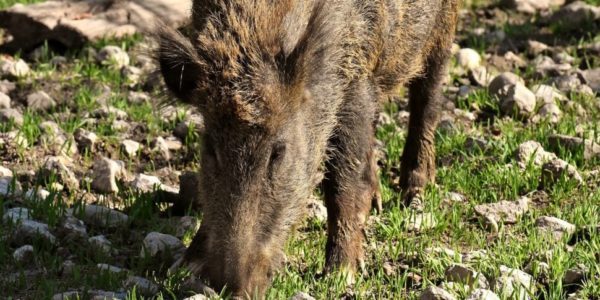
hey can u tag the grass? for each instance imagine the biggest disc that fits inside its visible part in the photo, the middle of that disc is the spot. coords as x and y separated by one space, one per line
400 262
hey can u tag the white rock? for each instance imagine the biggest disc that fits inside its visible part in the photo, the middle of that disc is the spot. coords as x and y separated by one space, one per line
8 114
514 284
555 226
162 148
106 112
550 112
113 56
130 147
4 101
532 152
197 297
28 231
421 221
553 170
106 172
468 58
146 183
505 211
67 295
101 242
186 224
466 275
531 6
547 94
503 80
14 69
517 100
483 294
5 172
302 296
74 228
40 101
138 97
85 139
110 268
104 217
16 215
317 210
23 254
157 243
142 285
436 293
481 76
9 186
57 166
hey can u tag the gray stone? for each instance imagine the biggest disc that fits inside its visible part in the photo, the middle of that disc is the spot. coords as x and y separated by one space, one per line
113 56
553 170
23 254
197 297
156 244
8 114
16 215
480 76
104 217
301 296
436 293
554 226
102 243
466 275
531 6
4 101
517 100
74 228
67 268
503 80
5 172
40 101
532 152
85 139
28 231
106 172
576 13
51 128
575 275
110 268
146 183
14 68
573 144
592 78
186 224
142 285
421 221
473 144
483 294
132 75
57 166
106 112
550 112
67 295
546 66
534 47
138 97
566 83
514 284
130 147
317 210
8 186
504 211
548 94
161 147
7 87
468 58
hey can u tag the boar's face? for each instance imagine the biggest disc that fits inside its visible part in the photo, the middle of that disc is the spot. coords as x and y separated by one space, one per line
265 139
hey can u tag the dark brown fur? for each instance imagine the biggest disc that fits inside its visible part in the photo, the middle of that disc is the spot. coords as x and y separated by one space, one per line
290 86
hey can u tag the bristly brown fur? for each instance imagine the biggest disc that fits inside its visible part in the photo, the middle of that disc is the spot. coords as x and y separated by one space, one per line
288 87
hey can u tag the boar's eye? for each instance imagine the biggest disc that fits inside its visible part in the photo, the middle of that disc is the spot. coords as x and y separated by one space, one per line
276 154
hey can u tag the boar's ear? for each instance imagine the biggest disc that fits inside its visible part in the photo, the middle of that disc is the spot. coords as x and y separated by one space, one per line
179 63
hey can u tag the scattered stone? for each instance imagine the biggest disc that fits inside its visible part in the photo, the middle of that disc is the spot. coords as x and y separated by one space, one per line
146 183
463 274
517 100
592 78
8 114
50 128
480 76
483 294
85 139
67 296
142 285
532 152
436 293
74 228
7 87
138 97
132 75
547 94
40 101
531 6
555 226
503 211
106 172
110 269
573 144
550 112
302 296
534 47
540 269
476 255
546 66
101 242
120 125
23 254
186 224
9 186
161 147
4 101
197 297
317 210
468 58
566 83
173 144
473 144
575 14
104 217
57 166
156 244
4 172
575 275
59 62
12 69
113 56
130 147
503 80
514 284
421 221
16 139
67 268
555 169
106 112
16 215
453 197
28 231
104 295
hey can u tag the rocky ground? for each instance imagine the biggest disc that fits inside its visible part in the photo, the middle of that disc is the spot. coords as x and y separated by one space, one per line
94 158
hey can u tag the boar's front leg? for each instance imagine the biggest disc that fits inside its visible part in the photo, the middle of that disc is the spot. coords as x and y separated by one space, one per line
418 159
350 180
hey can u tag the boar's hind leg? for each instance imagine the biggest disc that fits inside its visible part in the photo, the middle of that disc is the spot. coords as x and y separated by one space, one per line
418 159
350 180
